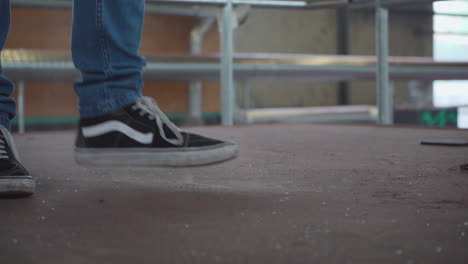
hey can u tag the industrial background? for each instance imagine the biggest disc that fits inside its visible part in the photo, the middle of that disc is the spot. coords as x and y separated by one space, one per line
345 154
323 31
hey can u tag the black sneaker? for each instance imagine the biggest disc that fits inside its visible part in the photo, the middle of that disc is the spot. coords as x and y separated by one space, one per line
15 180
140 134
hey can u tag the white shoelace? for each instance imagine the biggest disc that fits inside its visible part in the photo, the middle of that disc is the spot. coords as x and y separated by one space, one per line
3 151
149 106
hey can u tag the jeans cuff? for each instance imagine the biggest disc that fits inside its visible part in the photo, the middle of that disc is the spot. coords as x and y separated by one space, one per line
4 121
108 105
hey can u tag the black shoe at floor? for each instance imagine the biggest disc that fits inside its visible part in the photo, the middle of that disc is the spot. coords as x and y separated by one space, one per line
15 181
141 135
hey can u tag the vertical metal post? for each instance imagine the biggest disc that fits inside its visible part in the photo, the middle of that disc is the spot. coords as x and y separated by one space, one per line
21 126
227 67
384 90
195 88
195 103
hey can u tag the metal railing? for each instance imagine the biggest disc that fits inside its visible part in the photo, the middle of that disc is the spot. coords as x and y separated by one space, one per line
384 90
47 66
203 69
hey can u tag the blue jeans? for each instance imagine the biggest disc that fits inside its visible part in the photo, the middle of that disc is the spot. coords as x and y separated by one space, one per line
105 43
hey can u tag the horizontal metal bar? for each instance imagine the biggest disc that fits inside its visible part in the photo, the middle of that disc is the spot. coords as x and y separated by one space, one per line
149 8
458 34
262 3
425 12
388 3
364 113
181 11
55 4
57 66
48 72
61 4
206 12
441 14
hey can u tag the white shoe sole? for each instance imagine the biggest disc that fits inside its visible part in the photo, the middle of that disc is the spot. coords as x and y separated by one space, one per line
17 187
170 157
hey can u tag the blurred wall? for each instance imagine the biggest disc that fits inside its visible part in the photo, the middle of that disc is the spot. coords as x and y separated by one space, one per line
314 32
289 31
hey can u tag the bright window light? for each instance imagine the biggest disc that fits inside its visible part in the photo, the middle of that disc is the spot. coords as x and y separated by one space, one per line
450 93
451 44
451 7
463 117
452 24
450 47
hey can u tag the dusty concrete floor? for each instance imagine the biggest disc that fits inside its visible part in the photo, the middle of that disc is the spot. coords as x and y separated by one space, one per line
296 194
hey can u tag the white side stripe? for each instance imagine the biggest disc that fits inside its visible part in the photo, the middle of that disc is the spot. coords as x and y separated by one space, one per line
110 126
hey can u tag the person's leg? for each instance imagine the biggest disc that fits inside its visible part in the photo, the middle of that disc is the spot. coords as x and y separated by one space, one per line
105 42
7 104
117 125
15 180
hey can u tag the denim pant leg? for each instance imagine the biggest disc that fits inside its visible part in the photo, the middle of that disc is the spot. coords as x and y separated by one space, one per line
7 104
105 43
